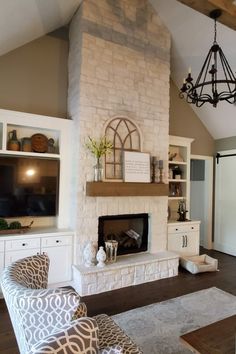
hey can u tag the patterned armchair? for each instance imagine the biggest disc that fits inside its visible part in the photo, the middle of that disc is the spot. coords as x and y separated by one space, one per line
48 321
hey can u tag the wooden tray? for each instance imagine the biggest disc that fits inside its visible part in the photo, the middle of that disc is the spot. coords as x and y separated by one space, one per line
22 230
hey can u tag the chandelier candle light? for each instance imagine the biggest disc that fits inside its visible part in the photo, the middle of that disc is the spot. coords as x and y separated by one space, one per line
216 80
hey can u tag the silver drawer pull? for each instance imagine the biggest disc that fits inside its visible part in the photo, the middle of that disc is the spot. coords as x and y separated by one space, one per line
186 241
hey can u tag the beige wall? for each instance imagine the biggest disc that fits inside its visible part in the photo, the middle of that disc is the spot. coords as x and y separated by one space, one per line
184 122
33 78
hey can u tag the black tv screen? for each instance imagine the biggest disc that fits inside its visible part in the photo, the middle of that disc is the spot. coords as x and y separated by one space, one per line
28 186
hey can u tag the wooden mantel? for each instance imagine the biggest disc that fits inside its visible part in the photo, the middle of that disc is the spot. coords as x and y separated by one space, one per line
122 189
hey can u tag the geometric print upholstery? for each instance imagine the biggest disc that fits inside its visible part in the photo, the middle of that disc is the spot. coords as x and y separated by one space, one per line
46 311
31 272
36 312
81 311
16 279
81 336
110 334
44 319
114 349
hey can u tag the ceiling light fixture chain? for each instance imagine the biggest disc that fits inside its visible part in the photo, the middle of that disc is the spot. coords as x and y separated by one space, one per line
216 80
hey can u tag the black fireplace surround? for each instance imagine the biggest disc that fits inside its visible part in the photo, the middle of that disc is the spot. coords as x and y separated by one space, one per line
129 230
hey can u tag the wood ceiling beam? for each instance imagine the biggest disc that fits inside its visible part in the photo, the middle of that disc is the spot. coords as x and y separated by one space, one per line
225 5
228 17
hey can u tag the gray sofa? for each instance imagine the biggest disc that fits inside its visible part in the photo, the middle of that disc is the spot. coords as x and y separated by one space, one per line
55 320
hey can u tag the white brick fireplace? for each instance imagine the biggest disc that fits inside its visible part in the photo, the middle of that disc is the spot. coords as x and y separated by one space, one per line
119 64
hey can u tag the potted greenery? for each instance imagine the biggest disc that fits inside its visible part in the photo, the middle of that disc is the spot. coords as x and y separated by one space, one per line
99 148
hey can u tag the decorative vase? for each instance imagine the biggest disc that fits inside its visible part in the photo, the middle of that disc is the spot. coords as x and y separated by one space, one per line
26 144
13 142
101 257
98 171
111 250
89 255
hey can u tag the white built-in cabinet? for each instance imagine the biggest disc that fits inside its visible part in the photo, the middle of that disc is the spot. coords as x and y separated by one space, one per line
51 235
59 249
58 245
179 185
58 129
183 237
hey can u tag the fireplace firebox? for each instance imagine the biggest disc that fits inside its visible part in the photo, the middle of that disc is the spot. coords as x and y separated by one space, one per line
129 230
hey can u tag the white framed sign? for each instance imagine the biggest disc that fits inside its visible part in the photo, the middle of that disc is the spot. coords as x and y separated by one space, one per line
136 167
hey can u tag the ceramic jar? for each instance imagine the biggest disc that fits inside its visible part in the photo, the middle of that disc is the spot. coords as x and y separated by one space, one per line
13 142
101 257
26 144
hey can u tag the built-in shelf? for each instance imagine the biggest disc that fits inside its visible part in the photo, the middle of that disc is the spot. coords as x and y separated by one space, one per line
177 163
29 154
177 180
121 189
177 198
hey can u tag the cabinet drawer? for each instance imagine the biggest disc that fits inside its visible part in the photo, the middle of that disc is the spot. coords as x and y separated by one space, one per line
56 241
183 228
1 246
15 245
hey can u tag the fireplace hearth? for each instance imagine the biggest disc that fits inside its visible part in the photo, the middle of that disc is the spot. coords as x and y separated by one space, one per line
129 230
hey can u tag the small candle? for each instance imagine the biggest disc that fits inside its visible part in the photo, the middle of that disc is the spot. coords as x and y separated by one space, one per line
189 70
160 163
154 160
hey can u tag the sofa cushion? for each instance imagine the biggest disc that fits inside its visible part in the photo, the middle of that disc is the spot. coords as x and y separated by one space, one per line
42 312
31 272
110 334
80 336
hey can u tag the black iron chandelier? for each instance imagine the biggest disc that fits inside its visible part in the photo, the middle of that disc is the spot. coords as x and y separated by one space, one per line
216 80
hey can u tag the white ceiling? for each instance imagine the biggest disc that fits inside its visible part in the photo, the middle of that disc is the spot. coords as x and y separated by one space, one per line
22 21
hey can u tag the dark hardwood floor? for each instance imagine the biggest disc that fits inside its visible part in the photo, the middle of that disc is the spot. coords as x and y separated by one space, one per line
127 298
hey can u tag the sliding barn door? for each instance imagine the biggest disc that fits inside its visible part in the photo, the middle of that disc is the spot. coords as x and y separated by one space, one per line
225 204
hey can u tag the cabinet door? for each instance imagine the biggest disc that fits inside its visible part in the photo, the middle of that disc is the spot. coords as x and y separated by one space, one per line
192 244
12 256
1 265
1 256
59 251
184 243
1 261
60 263
176 243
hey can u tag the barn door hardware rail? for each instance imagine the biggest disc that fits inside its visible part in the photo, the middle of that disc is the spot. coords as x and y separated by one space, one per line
219 156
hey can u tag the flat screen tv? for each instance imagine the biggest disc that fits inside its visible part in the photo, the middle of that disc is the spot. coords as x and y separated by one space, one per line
28 186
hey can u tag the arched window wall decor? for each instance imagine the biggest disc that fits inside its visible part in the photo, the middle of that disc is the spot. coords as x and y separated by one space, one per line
125 135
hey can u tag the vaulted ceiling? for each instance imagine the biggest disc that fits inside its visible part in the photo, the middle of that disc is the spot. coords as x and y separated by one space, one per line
228 8
22 21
